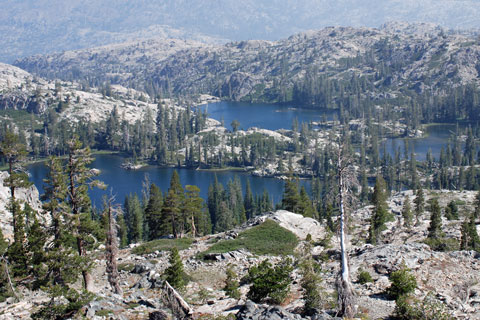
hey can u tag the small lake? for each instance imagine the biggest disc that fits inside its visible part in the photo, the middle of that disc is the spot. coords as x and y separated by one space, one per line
123 182
274 117
262 115
438 136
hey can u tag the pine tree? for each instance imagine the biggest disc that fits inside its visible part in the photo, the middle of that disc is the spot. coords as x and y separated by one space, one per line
5 289
174 274
135 218
311 281
419 204
153 212
476 213
37 238
380 214
407 212
63 263
435 228
470 239
55 203
291 197
451 211
84 229
172 207
193 208
16 252
231 283
305 205
215 196
14 151
248 201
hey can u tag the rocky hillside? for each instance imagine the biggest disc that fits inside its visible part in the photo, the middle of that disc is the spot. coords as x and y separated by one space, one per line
452 277
32 27
20 90
385 63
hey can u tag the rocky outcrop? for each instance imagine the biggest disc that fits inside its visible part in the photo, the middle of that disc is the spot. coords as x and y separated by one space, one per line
252 311
296 223
29 195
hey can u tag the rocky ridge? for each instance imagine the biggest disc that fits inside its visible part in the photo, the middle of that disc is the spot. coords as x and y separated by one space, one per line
54 26
268 70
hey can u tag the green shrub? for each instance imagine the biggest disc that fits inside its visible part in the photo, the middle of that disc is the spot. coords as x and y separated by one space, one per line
267 238
270 284
162 245
364 277
403 283
409 308
103 313
442 244
128 267
174 274
72 303
231 284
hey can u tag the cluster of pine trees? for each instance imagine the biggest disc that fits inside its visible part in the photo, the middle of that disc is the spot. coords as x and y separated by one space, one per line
50 253
178 212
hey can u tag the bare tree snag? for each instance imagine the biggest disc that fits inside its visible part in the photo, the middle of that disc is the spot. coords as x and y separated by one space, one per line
111 246
346 299
179 307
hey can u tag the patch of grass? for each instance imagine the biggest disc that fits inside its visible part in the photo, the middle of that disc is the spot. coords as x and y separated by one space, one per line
132 305
267 238
103 313
162 245
128 267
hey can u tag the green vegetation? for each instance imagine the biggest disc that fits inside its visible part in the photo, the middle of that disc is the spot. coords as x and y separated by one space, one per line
268 283
403 283
174 274
127 267
380 214
103 313
430 308
231 283
267 238
163 245
364 277
311 281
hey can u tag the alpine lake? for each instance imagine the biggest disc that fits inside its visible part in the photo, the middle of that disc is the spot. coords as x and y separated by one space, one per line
121 182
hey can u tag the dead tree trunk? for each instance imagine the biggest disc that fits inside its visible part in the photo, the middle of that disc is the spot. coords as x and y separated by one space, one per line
111 247
179 307
346 300
9 279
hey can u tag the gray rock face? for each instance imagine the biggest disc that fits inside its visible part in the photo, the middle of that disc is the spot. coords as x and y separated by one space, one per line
252 311
29 195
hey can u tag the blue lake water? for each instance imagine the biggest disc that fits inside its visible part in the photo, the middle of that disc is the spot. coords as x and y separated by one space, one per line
123 182
266 116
